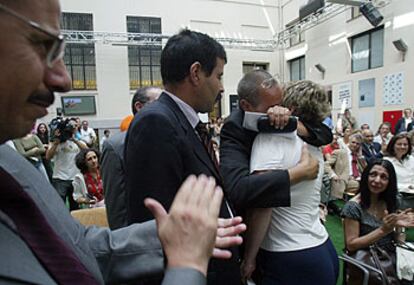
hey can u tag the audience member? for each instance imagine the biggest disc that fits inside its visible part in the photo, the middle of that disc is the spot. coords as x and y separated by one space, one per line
329 148
405 123
345 168
63 151
87 185
106 135
37 233
88 135
112 163
32 149
370 149
383 135
344 140
294 245
399 154
271 189
42 133
370 217
364 127
348 120
166 142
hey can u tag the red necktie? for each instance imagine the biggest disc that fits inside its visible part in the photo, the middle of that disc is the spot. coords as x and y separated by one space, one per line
51 251
355 171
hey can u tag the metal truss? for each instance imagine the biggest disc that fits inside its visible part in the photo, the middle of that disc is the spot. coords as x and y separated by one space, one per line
329 11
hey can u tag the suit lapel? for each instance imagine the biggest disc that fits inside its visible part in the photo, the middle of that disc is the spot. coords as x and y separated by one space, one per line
197 146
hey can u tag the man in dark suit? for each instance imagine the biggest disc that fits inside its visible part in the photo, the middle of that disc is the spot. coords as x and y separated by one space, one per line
259 92
165 143
40 242
370 149
112 164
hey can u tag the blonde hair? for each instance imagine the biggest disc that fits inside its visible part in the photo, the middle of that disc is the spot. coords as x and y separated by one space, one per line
308 99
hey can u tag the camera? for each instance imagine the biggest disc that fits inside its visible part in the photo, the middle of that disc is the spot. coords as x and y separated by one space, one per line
65 127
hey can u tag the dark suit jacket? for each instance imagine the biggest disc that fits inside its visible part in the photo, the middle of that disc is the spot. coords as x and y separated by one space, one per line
270 189
162 150
113 178
368 155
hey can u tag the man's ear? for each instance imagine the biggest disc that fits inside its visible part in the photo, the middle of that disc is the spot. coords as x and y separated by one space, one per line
195 70
245 105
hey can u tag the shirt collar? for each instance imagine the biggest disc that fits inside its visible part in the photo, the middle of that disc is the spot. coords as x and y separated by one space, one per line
188 111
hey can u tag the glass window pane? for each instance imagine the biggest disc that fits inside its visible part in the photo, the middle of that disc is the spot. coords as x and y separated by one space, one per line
143 25
78 79
156 76
360 53
134 77
377 48
155 26
133 55
132 24
146 76
302 68
145 56
77 54
90 77
294 70
89 54
156 56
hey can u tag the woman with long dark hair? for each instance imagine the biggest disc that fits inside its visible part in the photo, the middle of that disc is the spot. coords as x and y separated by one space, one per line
42 133
370 217
87 186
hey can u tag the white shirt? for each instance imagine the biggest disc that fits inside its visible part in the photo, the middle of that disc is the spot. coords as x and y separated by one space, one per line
378 139
405 173
87 136
64 160
298 226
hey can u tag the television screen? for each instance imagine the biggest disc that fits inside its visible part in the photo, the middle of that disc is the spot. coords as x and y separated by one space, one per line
78 105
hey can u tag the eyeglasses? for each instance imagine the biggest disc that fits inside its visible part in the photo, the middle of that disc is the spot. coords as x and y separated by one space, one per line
270 82
56 51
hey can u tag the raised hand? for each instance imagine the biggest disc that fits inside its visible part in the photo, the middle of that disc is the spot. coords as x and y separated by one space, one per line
188 232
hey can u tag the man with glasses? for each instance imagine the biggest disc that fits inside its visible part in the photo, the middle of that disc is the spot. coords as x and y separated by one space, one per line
40 243
259 92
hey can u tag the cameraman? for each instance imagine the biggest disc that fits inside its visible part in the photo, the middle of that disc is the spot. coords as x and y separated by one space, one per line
63 150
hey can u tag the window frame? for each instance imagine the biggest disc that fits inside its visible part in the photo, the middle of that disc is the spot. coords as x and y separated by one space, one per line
300 59
360 35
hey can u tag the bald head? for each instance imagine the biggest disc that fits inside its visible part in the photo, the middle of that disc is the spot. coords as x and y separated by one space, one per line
368 136
251 84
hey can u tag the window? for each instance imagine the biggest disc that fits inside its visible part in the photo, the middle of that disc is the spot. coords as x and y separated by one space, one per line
80 57
297 68
144 61
249 66
368 50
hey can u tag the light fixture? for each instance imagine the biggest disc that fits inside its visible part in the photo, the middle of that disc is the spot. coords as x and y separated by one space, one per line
401 46
321 69
371 13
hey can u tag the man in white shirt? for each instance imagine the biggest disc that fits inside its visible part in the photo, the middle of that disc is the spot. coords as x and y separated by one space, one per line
87 134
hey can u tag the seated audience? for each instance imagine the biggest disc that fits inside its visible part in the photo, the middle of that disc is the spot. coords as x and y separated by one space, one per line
370 217
32 149
328 149
405 123
370 149
348 120
344 140
87 185
383 135
345 168
294 245
364 127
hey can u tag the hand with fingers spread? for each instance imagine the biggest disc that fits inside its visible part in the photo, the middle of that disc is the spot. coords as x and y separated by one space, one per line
406 218
389 222
278 116
188 232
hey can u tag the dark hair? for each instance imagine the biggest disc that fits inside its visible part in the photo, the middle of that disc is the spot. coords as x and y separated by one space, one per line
46 133
382 124
389 196
107 132
391 144
249 86
186 48
140 96
80 159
